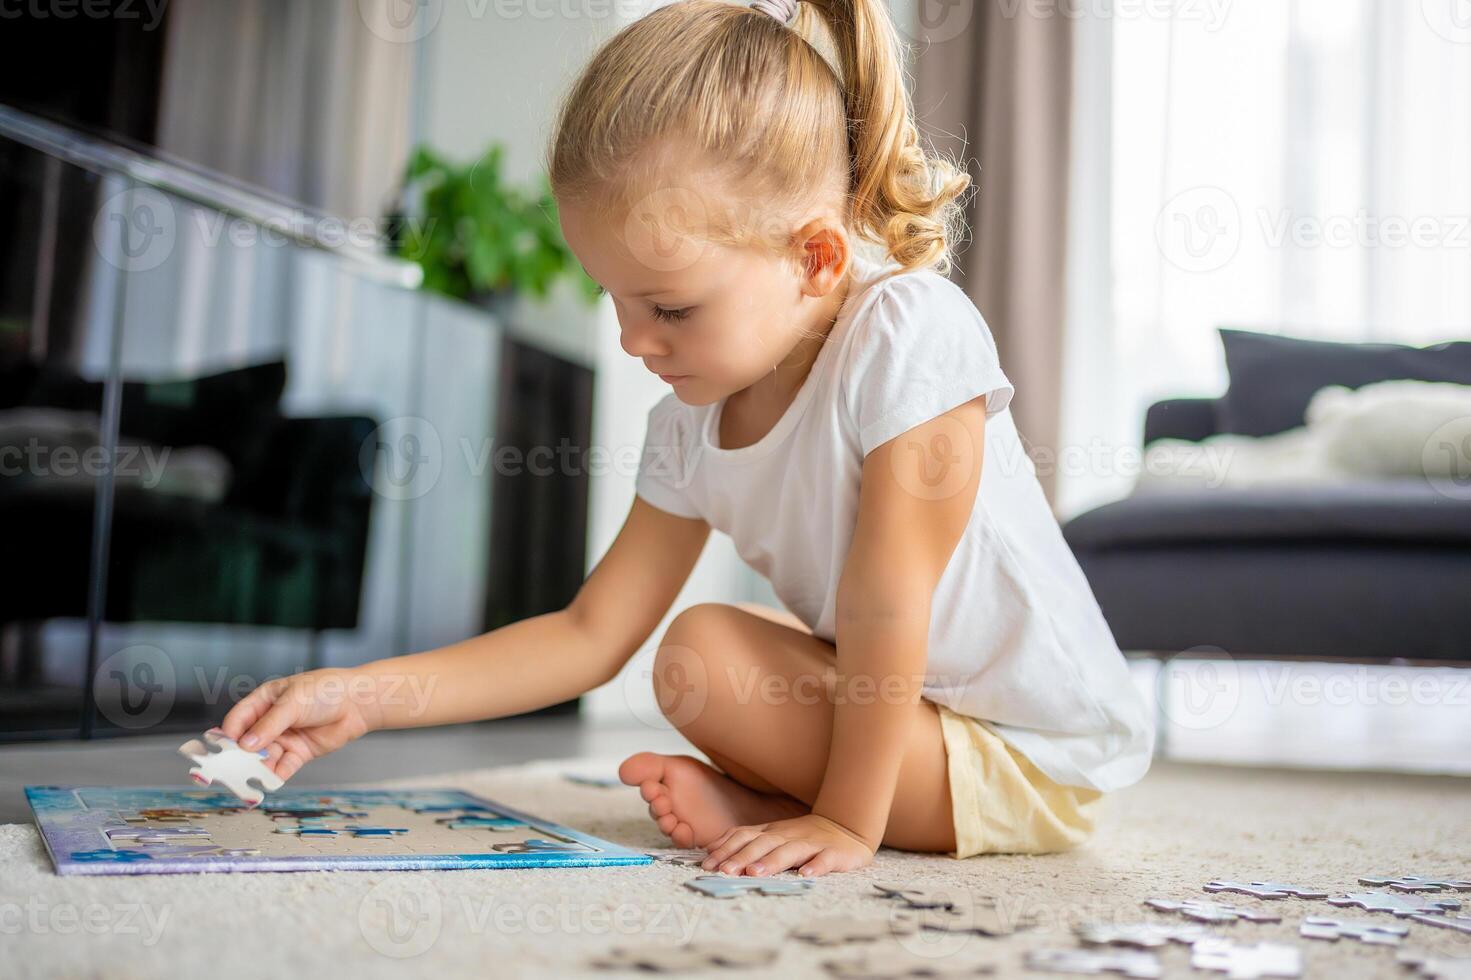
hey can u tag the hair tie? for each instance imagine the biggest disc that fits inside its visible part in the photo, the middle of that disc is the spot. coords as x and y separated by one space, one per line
783 11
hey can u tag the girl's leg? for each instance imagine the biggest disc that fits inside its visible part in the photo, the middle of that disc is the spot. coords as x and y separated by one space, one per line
756 696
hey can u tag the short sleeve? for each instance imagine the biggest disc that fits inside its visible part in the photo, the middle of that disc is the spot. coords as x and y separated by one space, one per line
921 350
665 465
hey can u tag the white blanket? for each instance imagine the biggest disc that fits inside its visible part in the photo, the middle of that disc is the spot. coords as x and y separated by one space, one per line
1389 429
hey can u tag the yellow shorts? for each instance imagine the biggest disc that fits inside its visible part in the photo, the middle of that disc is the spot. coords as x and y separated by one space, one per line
1002 803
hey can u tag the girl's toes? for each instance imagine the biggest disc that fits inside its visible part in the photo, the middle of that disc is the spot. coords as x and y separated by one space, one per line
683 836
660 805
652 791
667 824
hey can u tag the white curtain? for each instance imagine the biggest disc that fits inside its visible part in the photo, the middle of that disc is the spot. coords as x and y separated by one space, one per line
303 99
1291 166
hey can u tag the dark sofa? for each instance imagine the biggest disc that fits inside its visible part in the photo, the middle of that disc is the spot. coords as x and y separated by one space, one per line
1376 570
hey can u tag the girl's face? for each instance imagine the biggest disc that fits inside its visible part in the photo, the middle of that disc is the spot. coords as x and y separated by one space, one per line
709 319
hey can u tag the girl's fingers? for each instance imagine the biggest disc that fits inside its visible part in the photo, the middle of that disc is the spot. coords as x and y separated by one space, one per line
820 864
289 765
758 848
249 708
736 840
281 716
789 855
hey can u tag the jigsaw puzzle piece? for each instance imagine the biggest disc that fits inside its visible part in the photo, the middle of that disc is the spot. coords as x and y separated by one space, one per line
217 759
1263 889
1399 904
1374 933
537 846
685 958
897 964
1243 962
121 856
1145 935
1211 911
1438 967
1461 923
483 823
840 930
1130 963
919 898
1415 883
723 886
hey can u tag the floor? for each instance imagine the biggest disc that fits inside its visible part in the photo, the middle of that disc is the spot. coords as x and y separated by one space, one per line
1183 825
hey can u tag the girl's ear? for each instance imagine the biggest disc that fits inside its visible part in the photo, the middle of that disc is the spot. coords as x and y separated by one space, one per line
825 256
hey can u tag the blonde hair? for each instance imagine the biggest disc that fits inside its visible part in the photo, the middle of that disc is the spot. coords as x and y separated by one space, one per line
725 90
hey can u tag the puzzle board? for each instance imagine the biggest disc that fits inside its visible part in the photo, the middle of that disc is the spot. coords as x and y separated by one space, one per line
154 830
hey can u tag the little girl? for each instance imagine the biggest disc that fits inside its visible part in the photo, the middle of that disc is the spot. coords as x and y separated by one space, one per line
945 681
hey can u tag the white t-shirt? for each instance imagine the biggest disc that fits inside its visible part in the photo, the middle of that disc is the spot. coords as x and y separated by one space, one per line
1016 636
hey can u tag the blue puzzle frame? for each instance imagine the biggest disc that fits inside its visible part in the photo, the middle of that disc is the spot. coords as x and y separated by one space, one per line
73 821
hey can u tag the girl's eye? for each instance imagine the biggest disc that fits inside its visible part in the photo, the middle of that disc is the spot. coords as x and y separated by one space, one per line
669 316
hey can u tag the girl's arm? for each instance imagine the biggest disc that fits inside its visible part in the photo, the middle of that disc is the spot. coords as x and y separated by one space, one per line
914 503
519 667
549 658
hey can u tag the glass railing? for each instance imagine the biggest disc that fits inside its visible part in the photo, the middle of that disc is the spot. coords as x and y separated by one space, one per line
235 442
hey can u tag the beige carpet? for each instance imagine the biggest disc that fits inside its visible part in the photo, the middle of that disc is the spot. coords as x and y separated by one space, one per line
1165 837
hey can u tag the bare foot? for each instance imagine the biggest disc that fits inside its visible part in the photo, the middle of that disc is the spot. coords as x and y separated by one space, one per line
693 803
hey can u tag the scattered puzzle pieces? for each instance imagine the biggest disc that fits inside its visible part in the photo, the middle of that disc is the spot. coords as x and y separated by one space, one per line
1242 962
897 963
723 886
219 760
1415 883
1211 911
839 930
1145 935
1129 962
685 958
601 782
1461 923
1399 904
957 911
919 898
684 858
1438 967
1263 889
1374 933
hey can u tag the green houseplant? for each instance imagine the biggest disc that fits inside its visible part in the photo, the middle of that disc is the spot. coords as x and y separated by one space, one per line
478 238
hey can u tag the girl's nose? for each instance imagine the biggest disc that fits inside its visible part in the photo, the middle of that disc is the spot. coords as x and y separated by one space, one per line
641 340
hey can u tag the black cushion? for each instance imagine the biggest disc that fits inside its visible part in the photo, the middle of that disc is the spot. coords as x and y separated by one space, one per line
1405 512
1272 378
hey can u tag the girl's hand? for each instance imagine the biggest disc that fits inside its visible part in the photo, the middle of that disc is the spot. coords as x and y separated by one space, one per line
303 717
812 844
